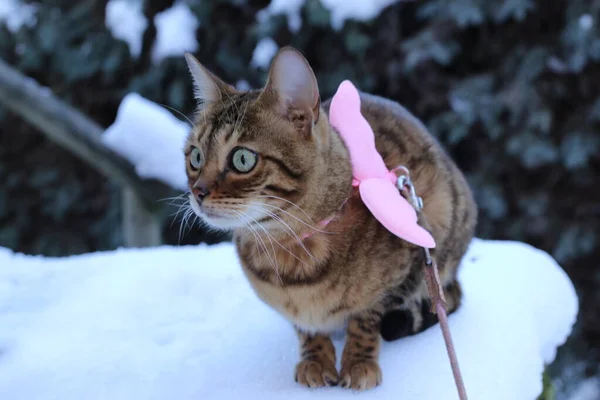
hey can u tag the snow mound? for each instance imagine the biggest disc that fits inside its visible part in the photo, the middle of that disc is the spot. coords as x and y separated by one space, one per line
175 32
126 21
183 323
151 138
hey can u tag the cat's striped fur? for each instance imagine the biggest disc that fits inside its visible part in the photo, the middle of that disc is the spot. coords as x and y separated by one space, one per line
353 272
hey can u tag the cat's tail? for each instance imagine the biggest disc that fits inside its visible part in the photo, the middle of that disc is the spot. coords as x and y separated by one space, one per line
415 318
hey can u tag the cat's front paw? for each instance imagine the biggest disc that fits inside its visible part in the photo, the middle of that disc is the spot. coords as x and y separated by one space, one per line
360 375
316 373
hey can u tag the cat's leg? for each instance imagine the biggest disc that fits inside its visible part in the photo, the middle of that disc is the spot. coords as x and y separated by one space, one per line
415 316
360 368
317 367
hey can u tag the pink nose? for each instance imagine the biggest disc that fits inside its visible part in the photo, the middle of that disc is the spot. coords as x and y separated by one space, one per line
200 190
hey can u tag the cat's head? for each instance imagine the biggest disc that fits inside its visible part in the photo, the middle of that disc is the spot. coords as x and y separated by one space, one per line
252 153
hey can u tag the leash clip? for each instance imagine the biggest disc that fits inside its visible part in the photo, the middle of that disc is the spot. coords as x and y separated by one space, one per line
407 189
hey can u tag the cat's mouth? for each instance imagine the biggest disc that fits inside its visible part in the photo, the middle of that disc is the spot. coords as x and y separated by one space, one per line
217 217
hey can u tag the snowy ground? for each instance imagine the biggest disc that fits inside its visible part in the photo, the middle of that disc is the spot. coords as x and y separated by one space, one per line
182 323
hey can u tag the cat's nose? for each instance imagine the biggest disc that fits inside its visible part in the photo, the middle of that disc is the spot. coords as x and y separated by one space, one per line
200 190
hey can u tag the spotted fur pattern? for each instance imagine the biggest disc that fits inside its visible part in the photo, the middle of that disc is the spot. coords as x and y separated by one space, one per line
353 273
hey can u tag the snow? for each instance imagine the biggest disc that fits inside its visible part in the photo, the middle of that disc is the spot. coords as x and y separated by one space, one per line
243 85
289 8
126 21
15 14
341 10
589 389
264 52
151 138
586 22
183 323
175 32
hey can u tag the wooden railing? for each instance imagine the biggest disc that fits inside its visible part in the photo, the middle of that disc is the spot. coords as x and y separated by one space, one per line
78 134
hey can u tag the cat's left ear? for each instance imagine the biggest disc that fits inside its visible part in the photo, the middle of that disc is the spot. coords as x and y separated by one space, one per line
208 88
292 89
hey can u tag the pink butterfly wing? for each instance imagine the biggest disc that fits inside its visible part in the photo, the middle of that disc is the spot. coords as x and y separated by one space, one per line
346 118
386 204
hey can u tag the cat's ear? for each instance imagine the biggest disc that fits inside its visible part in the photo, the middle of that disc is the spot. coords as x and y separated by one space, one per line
208 88
292 88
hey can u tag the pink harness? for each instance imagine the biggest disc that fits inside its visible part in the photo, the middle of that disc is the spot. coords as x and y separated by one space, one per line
376 184
380 191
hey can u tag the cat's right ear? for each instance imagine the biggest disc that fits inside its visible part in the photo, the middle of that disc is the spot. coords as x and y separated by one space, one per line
292 89
208 88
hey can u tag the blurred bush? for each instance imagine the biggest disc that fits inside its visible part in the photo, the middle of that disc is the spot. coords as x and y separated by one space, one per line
511 87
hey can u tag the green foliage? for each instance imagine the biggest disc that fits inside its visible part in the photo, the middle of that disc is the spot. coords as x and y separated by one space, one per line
548 393
511 101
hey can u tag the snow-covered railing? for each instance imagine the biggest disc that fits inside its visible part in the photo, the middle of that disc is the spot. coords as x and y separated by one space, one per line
80 135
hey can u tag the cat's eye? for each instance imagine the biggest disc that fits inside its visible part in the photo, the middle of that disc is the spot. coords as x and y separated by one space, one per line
243 160
195 158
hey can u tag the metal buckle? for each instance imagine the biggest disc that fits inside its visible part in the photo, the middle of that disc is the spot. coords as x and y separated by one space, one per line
407 189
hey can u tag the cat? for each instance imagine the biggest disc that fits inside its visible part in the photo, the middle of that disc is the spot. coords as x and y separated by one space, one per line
267 164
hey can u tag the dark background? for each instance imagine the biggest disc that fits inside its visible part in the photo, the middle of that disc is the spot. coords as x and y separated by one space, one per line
510 87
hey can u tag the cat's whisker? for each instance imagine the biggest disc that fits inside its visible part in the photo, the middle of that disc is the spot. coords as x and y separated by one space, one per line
176 214
184 203
280 245
179 203
185 223
256 243
293 235
273 262
276 266
258 240
289 202
178 112
291 232
197 220
186 213
293 216
191 223
173 201
178 197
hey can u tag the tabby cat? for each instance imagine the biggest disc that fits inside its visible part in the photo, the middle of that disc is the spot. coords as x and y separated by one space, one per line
268 165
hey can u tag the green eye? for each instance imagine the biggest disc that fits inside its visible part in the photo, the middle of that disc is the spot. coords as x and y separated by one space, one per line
195 158
243 160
